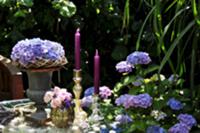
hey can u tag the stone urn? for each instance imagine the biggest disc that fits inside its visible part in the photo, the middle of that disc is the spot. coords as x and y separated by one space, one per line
39 81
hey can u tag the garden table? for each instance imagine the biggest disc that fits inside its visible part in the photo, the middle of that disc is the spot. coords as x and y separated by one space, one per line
20 124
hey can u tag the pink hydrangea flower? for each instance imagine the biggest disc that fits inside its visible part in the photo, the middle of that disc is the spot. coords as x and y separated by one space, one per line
56 102
58 98
64 95
105 92
56 90
48 96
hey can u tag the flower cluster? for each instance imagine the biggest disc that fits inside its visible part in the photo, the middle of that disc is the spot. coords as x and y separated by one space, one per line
155 129
174 104
133 59
141 100
123 119
112 128
173 78
187 119
186 122
157 77
123 67
35 53
104 92
138 81
158 115
87 100
58 98
138 57
179 128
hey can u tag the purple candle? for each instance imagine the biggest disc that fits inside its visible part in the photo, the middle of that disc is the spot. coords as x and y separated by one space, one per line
96 72
77 50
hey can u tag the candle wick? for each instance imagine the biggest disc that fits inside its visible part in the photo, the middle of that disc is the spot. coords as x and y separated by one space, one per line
97 53
78 30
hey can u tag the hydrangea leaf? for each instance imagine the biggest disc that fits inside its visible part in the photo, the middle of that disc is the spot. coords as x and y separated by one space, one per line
27 3
134 90
68 10
128 79
117 88
20 13
159 104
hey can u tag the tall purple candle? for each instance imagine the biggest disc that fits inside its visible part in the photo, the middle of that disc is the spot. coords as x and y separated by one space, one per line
77 50
96 72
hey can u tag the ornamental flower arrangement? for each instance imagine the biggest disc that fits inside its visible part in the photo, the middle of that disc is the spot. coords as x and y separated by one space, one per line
141 102
58 98
60 102
153 103
38 53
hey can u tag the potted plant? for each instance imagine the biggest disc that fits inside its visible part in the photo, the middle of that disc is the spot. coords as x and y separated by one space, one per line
60 102
39 58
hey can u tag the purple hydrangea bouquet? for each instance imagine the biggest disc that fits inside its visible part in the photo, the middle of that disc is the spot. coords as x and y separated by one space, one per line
38 53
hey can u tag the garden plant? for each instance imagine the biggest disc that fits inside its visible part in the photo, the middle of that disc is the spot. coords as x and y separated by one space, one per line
149 56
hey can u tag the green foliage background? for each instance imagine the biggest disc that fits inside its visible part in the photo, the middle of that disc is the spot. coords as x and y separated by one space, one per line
167 29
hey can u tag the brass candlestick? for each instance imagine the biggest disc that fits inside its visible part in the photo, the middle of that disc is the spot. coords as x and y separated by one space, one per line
79 115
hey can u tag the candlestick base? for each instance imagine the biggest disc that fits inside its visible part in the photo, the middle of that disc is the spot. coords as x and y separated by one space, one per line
96 116
80 115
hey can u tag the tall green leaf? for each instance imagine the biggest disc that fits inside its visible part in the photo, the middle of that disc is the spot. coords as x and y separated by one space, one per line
174 44
142 28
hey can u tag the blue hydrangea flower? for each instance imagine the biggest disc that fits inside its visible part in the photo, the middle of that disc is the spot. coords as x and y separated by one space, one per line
179 128
138 81
27 53
89 91
104 130
122 99
138 57
110 128
155 129
104 92
123 119
173 78
187 119
86 101
123 67
67 103
174 104
141 100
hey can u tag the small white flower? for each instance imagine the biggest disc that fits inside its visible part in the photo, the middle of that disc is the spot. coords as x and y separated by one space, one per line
103 126
158 115
96 129
114 124
91 132
112 131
